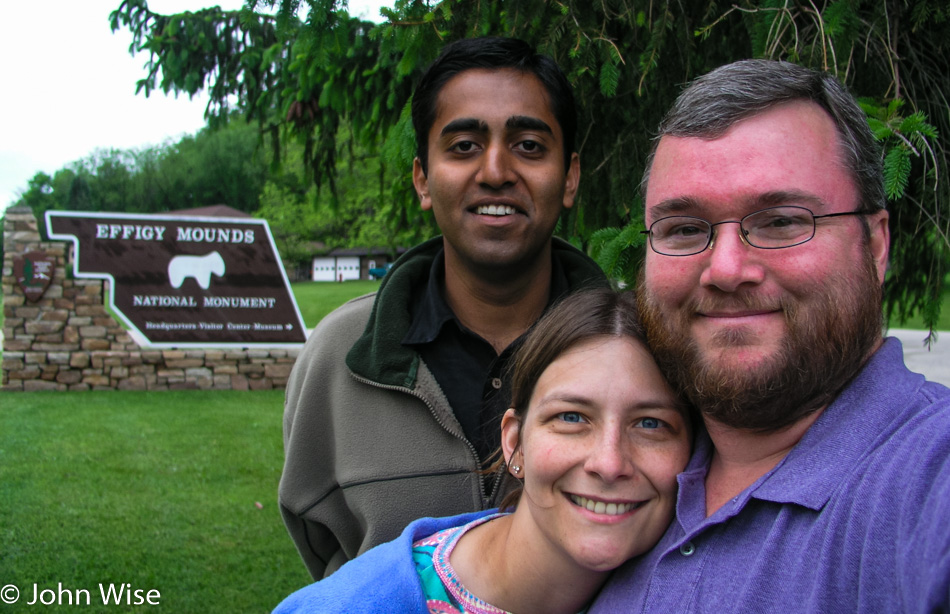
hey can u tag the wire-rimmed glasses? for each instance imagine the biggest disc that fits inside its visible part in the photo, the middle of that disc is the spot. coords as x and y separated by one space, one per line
772 228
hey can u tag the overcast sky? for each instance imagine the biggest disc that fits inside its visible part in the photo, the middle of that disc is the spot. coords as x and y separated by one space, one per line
68 86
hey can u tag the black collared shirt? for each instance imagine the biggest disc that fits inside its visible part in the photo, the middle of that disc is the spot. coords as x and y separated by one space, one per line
473 377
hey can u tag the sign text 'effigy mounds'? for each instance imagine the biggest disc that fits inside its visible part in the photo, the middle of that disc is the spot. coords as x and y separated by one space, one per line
180 281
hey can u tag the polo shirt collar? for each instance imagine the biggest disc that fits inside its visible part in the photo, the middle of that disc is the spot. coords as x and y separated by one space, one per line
845 432
432 312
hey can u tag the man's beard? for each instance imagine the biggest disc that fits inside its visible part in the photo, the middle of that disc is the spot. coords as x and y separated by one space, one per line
826 343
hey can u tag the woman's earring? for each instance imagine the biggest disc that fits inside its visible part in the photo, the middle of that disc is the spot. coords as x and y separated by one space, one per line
515 470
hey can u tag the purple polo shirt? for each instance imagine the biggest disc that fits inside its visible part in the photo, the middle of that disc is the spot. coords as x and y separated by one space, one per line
856 518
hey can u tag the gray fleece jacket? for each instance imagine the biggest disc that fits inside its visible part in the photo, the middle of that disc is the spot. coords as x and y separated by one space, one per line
370 441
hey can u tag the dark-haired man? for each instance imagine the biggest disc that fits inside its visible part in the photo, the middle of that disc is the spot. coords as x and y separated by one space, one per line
822 482
396 399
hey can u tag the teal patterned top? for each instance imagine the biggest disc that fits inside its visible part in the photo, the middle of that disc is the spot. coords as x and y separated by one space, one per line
444 592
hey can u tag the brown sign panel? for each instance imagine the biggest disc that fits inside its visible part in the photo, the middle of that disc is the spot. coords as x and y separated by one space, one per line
180 281
33 272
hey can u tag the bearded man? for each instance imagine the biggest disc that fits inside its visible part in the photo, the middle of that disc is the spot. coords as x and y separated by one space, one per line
822 480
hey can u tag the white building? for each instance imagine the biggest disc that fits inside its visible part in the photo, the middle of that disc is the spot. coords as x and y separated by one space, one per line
351 263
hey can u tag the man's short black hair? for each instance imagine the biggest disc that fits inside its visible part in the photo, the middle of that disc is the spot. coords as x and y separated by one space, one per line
491 53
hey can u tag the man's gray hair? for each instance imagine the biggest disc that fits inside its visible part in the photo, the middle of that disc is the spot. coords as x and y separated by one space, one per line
711 104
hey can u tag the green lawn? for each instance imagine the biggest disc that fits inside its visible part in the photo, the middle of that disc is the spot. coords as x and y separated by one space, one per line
167 491
318 298
171 491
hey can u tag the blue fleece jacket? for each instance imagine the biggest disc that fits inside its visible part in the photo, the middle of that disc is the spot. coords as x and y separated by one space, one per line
382 579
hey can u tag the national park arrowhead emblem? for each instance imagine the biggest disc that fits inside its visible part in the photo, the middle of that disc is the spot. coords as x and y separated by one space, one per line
33 272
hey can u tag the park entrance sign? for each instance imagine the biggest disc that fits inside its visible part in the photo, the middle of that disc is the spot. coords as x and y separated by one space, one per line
182 281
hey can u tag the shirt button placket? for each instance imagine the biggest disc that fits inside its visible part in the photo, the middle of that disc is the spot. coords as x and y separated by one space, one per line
688 549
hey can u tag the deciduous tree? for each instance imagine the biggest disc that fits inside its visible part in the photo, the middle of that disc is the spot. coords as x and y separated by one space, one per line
310 69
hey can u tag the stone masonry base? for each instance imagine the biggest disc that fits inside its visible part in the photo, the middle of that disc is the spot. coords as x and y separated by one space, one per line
68 340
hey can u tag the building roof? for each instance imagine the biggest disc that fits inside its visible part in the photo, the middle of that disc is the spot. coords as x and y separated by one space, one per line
212 211
365 251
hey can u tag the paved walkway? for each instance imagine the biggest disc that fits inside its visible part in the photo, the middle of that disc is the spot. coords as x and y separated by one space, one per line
934 363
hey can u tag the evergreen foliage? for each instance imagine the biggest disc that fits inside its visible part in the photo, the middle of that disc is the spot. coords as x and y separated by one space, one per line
306 219
311 70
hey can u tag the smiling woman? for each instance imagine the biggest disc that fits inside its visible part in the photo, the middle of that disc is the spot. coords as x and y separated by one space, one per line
596 437
598 448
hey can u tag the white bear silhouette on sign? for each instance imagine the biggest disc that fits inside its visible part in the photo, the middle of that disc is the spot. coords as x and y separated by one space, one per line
199 268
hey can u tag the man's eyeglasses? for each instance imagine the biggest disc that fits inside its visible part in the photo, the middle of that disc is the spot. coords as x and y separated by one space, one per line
772 228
